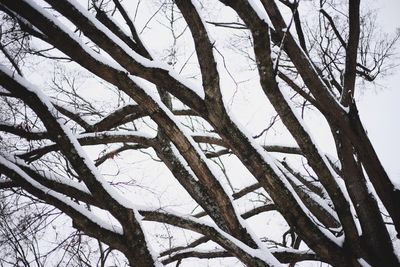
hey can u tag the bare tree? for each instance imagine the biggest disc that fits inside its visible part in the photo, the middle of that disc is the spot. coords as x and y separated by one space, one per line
71 138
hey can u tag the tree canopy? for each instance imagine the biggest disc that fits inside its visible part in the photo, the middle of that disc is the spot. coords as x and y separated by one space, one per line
148 133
